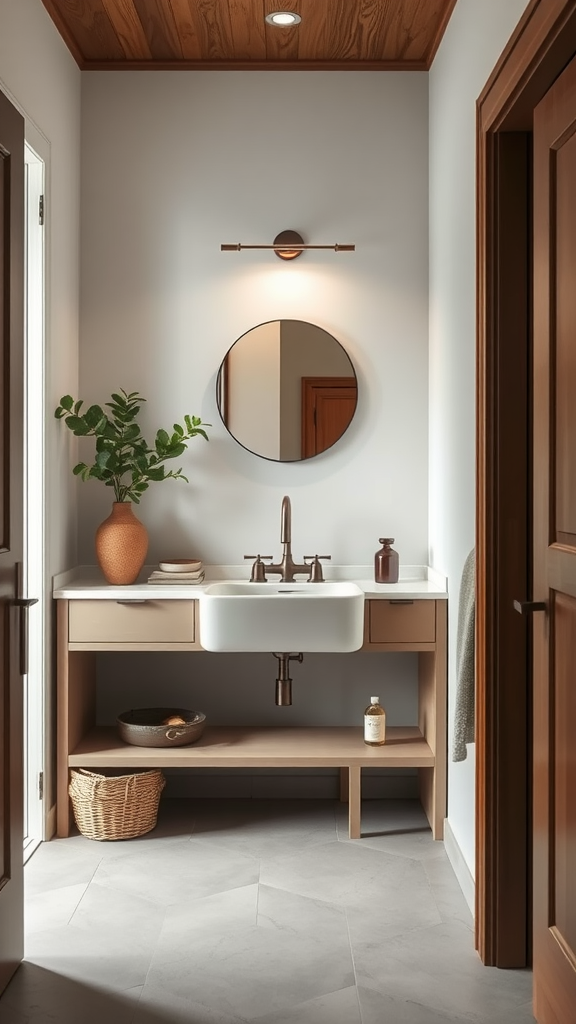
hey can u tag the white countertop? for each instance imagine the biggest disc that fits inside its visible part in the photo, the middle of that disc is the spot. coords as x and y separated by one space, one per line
86 582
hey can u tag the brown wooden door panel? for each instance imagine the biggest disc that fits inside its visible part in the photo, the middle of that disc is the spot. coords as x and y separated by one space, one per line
560 570
328 405
564 771
555 552
11 473
564 179
334 410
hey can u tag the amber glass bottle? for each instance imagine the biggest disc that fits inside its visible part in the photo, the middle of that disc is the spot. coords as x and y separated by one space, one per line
386 562
374 723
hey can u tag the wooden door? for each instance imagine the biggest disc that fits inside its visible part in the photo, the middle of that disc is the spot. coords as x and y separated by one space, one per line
11 530
328 405
554 629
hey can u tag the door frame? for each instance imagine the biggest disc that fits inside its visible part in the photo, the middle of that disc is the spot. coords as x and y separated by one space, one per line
542 44
35 498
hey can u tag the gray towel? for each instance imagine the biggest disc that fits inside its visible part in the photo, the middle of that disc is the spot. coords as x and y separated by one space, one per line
464 711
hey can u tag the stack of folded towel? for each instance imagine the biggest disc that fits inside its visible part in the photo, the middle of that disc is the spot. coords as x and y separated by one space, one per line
184 571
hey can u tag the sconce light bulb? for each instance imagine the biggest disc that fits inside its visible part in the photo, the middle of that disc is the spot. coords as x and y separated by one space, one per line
286 239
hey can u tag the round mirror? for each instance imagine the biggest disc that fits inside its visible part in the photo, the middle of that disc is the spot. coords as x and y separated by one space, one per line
286 390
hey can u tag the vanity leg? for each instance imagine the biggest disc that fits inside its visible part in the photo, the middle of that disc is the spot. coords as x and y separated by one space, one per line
344 783
427 778
62 692
432 722
354 801
76 711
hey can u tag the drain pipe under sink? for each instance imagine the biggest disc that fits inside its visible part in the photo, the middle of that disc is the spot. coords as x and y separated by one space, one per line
284 682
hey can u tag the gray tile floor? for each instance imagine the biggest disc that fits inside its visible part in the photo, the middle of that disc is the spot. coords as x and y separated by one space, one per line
262 911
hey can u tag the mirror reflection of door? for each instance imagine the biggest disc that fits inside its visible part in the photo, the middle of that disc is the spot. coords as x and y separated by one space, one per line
260 390
328 405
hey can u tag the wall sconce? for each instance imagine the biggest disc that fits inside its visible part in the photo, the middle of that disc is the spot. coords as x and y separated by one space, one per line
288 245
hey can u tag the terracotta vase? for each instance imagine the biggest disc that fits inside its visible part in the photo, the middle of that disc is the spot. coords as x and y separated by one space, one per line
121 544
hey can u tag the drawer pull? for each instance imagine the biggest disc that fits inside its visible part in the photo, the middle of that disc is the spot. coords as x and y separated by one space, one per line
399 600
132 600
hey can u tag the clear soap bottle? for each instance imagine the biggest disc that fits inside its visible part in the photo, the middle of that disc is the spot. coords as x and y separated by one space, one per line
386 562
374 723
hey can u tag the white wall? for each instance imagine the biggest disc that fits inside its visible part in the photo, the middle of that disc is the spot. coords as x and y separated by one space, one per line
41 78
176 163
475 37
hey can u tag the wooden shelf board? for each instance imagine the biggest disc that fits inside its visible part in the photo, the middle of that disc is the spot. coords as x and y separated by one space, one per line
236 747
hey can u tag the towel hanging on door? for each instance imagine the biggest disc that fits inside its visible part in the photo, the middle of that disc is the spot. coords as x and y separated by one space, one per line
464 713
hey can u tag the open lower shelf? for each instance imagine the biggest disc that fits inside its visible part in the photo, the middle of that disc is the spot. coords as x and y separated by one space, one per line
234 747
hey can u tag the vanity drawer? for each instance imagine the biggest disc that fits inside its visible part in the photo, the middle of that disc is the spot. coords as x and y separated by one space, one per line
145 622
402 622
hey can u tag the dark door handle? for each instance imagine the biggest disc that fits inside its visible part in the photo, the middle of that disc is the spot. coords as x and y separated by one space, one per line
24 603
527 607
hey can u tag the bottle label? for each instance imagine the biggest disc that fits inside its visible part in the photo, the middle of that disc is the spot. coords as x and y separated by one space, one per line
374 728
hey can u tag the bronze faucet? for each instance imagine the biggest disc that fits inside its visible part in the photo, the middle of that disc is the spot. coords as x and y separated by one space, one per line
287 568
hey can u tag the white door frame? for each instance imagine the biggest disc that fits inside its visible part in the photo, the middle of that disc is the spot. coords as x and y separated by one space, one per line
34 505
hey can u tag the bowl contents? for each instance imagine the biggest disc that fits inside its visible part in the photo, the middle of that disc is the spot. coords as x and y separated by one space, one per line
160 727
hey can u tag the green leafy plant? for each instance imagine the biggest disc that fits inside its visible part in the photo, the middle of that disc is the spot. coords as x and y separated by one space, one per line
124 459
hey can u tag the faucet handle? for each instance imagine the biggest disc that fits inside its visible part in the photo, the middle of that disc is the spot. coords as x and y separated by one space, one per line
316 574
258 574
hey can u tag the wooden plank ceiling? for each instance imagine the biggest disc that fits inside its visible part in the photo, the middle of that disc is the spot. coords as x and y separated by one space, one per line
232 34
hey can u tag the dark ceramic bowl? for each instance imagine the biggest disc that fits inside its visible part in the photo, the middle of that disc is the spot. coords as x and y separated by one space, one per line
146 727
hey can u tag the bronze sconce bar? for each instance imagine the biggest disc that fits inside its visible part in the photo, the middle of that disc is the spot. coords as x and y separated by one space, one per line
287 245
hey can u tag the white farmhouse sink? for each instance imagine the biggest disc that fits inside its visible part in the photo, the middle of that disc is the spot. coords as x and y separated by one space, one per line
281 617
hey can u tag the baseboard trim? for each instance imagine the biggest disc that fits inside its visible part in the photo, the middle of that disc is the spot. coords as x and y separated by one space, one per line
459 866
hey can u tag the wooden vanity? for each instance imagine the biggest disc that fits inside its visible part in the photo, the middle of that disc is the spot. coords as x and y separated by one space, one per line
398 617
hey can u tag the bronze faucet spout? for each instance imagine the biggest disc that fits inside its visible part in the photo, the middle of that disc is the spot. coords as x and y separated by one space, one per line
287 568
286 521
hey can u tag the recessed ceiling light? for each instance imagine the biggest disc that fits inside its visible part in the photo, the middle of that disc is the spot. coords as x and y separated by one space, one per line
283 18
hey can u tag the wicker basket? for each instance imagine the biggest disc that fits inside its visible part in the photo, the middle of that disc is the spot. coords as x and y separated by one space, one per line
118 807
